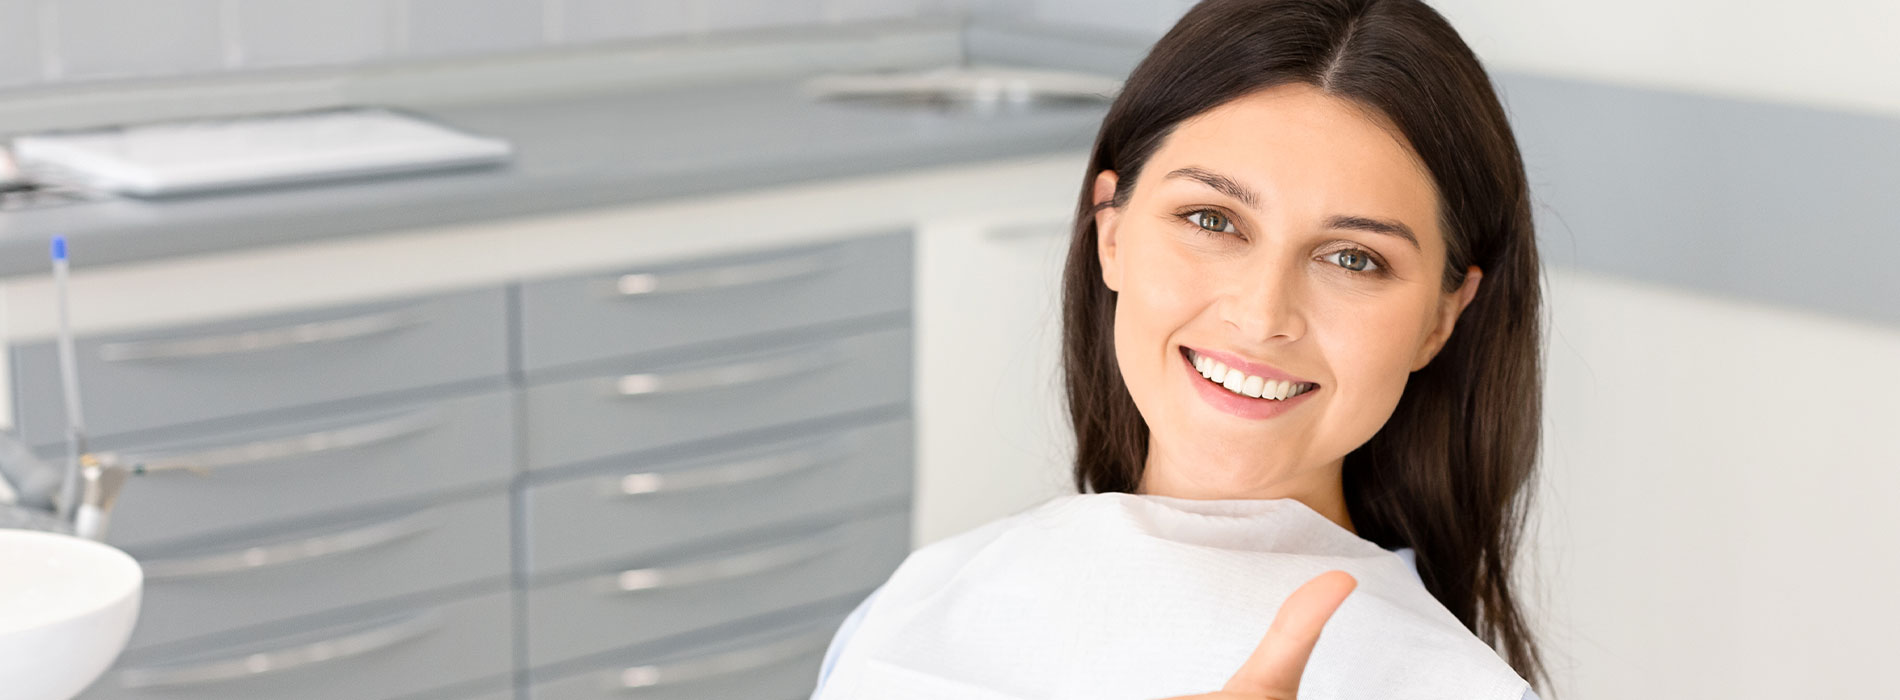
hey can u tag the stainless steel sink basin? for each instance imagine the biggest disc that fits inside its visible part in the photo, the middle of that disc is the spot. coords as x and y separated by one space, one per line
968 90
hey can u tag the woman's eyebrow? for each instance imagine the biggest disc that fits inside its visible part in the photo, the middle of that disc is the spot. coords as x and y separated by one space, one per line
1225 185
1390 228
1228 186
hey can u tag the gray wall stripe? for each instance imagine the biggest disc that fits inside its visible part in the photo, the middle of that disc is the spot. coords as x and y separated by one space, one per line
1766 202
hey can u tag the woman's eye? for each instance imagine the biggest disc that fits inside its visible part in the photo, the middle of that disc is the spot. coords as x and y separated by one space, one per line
1355 260
1211 221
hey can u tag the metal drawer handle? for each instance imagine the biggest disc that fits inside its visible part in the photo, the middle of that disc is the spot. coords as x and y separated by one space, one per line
280 660
727 376
646 284
202 462
725 664
270 555
314 332
734 473
744 564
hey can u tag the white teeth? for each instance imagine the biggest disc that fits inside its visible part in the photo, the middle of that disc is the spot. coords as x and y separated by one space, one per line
1241 383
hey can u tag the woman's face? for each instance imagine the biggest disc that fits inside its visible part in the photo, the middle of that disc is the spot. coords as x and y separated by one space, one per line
1293 236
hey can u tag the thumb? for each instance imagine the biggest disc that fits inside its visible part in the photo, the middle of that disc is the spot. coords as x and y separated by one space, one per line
1273 671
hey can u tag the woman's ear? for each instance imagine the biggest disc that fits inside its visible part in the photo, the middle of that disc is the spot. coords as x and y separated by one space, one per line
1449 309
1107 216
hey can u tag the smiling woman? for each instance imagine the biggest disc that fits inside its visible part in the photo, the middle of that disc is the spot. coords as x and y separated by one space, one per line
1277 233
1288 212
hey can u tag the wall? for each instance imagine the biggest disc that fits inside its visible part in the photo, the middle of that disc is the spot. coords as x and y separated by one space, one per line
61 42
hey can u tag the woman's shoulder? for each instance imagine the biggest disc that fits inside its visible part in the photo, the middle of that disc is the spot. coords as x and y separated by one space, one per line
937 560
944 556
1410 557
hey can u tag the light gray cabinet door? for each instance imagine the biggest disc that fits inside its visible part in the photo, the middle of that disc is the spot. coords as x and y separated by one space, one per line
647 405
989 374
779 661
506 694
245 479
660 597
382 655
649 507
502 694
258 579
591 318
181 376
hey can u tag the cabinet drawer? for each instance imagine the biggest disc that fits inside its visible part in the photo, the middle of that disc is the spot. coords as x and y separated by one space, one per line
233 584
651 509
646 406
185 375
654 599
598 317
386 656
243 479
779 663
499 694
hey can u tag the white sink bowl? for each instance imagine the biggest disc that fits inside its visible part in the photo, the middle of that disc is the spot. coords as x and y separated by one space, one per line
66 609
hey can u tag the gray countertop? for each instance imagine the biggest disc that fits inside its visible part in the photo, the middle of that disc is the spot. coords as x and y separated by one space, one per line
572 152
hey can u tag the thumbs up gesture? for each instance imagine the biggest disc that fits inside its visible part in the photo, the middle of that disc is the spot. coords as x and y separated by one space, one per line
1273 671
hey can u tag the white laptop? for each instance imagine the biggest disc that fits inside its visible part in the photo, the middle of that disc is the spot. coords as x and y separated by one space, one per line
165 158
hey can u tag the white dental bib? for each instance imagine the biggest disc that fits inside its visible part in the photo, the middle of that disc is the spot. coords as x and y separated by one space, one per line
1114 595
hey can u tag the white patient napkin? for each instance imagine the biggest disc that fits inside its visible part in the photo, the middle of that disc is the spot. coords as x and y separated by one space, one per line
1114 595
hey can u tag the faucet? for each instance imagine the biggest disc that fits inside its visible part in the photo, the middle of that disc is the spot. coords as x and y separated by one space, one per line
83 493
29 492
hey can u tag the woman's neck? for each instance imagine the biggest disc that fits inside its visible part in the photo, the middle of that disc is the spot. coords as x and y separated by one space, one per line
1326 496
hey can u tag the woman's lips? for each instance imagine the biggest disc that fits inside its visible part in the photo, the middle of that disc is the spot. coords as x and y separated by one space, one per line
1264 371
1235 404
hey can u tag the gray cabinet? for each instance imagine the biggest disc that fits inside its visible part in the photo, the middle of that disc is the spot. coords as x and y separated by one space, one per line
364 558
654 506
589 318
635 473
239 480
184 376
778 660
381 654
653 598
644 405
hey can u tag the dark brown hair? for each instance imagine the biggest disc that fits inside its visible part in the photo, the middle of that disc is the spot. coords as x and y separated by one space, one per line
1450 473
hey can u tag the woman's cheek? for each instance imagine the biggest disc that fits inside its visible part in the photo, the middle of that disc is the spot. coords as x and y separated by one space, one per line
1175 288
1370 351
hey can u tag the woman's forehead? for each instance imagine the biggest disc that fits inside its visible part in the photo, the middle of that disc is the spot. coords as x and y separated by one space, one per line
1296 146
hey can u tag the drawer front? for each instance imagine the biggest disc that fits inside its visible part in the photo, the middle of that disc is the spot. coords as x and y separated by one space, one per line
503 694
598 317
238 480
185 375
780 663
500 694
647 406
386 656
652 600
231 585
651 509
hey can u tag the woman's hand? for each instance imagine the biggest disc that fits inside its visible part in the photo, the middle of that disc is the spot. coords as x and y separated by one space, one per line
1273 672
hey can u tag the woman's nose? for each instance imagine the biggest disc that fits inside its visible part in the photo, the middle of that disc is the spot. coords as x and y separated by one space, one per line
1265 309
